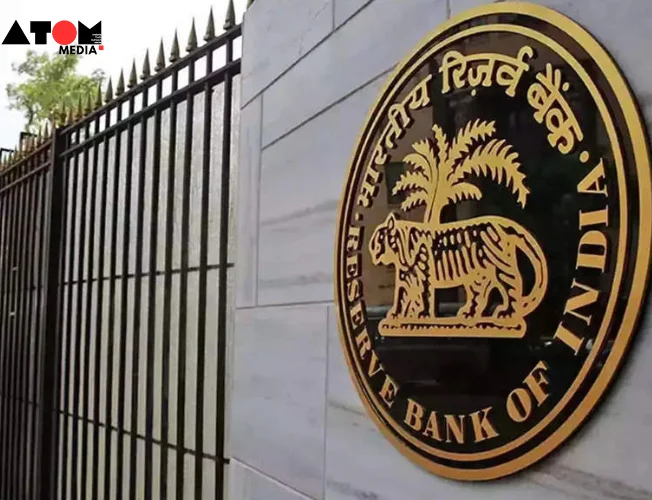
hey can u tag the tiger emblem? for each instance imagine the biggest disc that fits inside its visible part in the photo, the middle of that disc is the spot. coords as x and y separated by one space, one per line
478 254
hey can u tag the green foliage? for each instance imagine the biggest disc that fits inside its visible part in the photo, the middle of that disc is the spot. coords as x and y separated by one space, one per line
50 83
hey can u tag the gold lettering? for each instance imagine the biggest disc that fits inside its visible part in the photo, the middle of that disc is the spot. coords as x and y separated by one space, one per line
560 121
357 315
509 74
354 290
374 365
380 155
594 218
457 62
364 343
592 260
388 391
591 183
516 413
481 72
454 427
369 187
536 380
396 129
569 338
414 415
519 401
432 428
420 95
590 296
482 428
354 239
353 265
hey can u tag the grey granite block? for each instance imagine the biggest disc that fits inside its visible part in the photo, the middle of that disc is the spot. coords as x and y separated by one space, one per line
245 483
276 34
278 396
248 179
301 182
368 45
344 9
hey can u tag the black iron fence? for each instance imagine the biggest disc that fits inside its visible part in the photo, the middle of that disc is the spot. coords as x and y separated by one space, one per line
114 266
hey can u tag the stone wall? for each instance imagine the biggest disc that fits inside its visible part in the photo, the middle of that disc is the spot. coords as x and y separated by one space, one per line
311 72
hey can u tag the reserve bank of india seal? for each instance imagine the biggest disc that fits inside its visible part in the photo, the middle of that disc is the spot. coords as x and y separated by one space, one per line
494 241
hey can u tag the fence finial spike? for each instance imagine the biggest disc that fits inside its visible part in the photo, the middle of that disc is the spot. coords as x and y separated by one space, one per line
147 72
120 88
229 21
71 114
160 59
80 108
174 51
98 96
210 27
108 95
133 78
192 37
89 103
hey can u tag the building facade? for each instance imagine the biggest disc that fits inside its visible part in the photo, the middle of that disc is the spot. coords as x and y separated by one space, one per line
311 72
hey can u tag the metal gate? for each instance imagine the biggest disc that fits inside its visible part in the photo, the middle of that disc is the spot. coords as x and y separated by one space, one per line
114 266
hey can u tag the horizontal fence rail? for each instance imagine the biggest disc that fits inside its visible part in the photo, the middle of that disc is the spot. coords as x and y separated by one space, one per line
115 266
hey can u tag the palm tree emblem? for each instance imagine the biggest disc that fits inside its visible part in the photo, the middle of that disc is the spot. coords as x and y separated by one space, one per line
478 254
438 179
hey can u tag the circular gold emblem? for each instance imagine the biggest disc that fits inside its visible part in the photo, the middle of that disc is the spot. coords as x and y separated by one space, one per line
494 241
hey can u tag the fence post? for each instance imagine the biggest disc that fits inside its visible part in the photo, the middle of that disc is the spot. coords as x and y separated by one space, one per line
49 327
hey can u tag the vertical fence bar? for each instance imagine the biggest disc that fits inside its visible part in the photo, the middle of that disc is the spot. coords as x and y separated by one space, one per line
115 196
73 178
22 312
99 318
167 294
223 275
183 289
11 329
20 190
16 191
41 306
3 348
6 345
151 306
203 276
15 337
50 377
83 179
92 175
124 307
4 315
36 263
59 417
28 330
35 303
138 275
